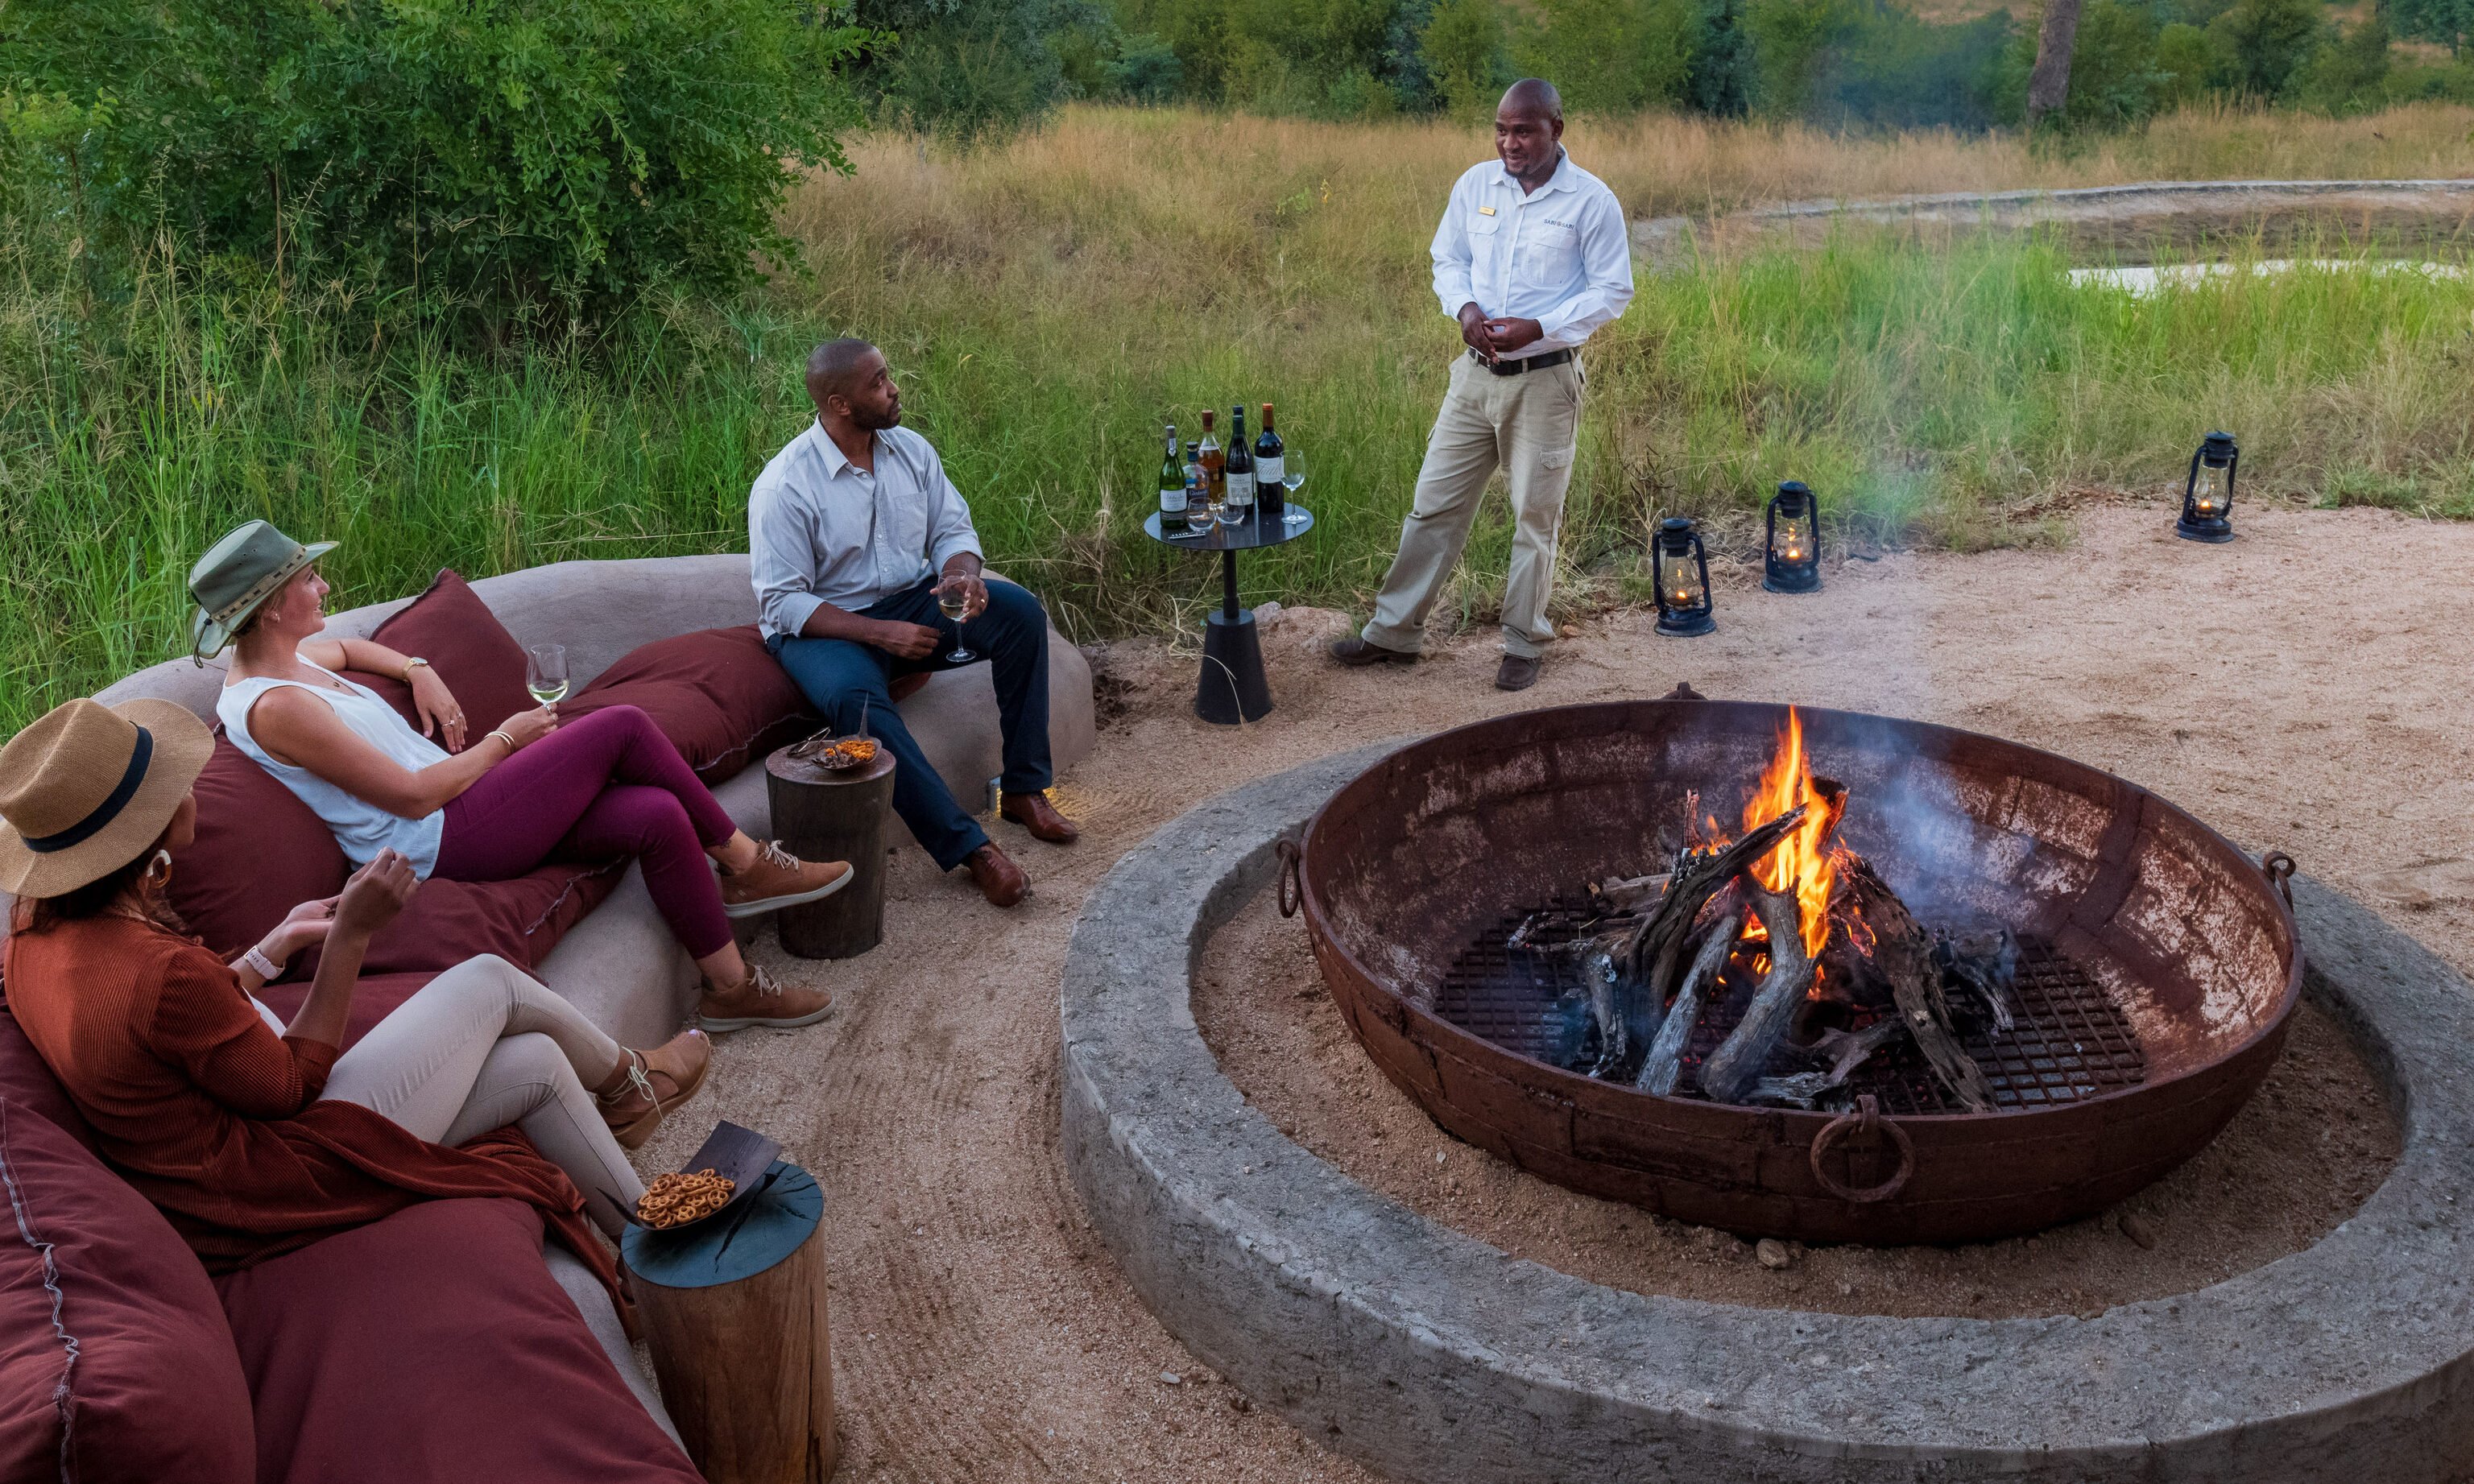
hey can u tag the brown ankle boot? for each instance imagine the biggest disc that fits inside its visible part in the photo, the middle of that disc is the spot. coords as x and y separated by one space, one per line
758 999
650 1083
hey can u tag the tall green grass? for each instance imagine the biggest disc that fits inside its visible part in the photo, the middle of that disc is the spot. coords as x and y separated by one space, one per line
1046 324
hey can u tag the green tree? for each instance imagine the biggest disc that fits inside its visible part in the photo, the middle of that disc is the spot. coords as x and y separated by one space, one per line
2264 44
2115 80
2348 73
2186 63
2448 22
1462 47
1722 76
1609 55
514 154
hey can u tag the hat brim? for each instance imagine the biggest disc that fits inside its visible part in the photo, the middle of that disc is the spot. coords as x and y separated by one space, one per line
208 638
182 744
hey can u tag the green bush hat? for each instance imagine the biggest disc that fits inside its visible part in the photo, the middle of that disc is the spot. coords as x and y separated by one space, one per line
238 573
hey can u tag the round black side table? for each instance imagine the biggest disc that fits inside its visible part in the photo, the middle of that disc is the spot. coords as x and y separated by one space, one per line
1232 688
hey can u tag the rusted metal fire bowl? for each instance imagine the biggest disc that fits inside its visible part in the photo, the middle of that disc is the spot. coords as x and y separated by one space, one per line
1424 854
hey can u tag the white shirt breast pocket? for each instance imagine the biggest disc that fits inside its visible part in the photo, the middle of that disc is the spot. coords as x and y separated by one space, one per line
1485 239
1551 251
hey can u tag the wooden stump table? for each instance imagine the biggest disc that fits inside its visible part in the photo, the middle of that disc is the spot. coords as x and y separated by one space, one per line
734 1310
822 813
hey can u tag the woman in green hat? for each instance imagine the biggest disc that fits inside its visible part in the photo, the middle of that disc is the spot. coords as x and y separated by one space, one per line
609 785
255 1135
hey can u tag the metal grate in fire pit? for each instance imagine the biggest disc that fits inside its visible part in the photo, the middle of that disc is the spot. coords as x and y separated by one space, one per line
2071 1041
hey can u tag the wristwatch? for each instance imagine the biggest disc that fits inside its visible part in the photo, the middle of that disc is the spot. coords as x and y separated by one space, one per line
411 664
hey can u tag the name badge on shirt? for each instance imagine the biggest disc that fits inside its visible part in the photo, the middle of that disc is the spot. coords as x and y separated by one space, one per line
1486 211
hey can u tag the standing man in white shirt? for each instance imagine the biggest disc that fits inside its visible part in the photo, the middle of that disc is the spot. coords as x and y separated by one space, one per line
853 530
1532 256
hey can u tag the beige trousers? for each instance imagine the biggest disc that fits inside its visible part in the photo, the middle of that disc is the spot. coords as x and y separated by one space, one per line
1528 425
485 1045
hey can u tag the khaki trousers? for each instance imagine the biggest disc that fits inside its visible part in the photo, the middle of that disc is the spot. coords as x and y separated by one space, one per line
1527 425
485 1045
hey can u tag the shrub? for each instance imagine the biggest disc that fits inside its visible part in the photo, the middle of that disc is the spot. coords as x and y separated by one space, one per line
969 70
2448 22
2115 80
2348 74
1721 79
514 154
2265 42
1463 49
2186 63
1609 55
1842 61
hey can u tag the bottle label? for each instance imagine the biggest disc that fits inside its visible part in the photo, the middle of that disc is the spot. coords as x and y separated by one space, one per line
1267 470
1241 488
1173 499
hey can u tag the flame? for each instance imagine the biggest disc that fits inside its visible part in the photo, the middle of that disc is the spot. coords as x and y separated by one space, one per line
1803 860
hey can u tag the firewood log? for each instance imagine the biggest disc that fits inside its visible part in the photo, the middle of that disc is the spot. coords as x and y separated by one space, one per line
1653 958
1731 1070
1902 952
1665 1063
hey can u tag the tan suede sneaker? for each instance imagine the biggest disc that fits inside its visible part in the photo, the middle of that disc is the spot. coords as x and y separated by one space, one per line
760 1000
777 879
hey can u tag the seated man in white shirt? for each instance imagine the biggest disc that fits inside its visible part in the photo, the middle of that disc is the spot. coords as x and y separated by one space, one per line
853 530
1531 257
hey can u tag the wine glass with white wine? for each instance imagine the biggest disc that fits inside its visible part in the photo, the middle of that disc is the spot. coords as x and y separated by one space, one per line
1293 474
952 601
546 674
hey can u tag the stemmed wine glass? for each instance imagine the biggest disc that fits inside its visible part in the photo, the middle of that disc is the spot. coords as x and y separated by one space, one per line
546 674
1293 474
952 601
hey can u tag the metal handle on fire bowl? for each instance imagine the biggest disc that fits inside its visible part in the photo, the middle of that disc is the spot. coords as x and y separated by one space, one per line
1868 1118
2279 868
1293 891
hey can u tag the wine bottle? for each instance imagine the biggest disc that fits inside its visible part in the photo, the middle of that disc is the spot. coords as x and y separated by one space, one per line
1171 488
1197 496
1239 501
1269 463
1214 463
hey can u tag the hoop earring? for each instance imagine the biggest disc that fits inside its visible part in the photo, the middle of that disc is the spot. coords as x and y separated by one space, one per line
159 871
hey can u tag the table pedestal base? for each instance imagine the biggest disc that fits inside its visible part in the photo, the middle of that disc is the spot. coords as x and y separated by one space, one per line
1232 688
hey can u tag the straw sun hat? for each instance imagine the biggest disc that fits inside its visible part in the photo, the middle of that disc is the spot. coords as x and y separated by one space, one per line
89 787
237 575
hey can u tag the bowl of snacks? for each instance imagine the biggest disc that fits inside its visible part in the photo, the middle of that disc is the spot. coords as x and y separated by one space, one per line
835 753
732 1165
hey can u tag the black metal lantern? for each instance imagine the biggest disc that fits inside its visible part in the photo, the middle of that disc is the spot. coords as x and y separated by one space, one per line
2208 499
1682 570
1793 560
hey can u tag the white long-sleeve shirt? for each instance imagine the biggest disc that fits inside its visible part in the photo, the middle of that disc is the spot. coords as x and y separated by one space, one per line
1560 254
820 530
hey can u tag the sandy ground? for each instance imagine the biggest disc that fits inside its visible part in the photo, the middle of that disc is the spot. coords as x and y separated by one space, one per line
2298 689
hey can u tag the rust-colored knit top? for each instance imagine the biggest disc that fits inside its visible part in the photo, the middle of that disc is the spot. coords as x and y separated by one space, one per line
216 1119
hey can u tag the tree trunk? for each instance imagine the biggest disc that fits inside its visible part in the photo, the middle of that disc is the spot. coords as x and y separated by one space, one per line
2049 86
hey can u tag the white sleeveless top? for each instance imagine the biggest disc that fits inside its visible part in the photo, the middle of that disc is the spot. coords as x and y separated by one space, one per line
362 828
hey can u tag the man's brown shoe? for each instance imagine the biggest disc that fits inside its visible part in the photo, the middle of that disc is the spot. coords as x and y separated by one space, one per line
758 1000
1518 672
998 879
1033 813
1354 649
777 879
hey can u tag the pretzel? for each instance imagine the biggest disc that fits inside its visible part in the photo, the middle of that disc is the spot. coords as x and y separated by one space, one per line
678 1197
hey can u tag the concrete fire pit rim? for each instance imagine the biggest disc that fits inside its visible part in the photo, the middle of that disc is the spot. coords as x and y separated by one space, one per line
1220 1219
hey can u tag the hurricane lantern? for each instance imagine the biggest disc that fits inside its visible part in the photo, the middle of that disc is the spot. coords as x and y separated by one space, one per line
1682 580
2208 499
1793 560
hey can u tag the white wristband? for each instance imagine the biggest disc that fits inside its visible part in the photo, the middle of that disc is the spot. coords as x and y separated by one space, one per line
267 968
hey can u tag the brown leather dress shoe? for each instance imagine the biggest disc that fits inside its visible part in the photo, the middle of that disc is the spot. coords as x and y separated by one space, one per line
1033 813
1517 673
998 879
1355 650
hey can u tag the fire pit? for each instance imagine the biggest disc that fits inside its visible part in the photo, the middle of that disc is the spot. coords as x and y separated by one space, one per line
2113 977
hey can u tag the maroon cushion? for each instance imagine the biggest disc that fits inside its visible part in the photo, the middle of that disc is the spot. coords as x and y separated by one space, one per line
259 854
720 697
157 1391
434 1345
451 628
449 921
25 1081
374 997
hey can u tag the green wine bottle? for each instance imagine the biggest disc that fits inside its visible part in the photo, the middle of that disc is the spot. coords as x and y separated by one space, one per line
1171 488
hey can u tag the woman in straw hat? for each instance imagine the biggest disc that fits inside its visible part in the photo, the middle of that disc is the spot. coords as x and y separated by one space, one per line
256 1136
611 784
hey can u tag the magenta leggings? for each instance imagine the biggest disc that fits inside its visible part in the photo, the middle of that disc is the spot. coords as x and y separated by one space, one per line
606 784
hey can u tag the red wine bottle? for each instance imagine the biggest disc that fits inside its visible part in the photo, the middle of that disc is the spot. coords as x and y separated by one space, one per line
1269 463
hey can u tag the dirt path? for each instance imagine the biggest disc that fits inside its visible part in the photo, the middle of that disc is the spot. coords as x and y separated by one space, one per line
2304 688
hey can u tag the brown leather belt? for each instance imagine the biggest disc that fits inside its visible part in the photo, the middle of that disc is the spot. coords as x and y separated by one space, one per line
1516 367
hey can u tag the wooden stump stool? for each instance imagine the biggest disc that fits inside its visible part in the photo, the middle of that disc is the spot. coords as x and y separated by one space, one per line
823 813
735 1313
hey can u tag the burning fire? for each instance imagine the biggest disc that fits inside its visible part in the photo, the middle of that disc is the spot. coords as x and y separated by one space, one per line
1803 860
